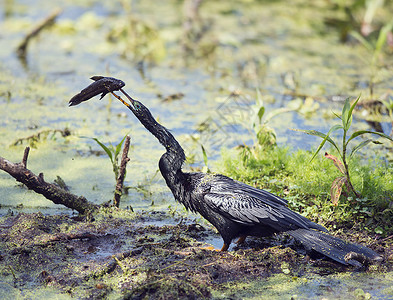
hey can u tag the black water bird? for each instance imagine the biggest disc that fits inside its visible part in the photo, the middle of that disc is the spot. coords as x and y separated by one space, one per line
236 209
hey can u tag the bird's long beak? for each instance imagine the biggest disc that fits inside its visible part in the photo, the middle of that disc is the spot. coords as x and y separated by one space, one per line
130 106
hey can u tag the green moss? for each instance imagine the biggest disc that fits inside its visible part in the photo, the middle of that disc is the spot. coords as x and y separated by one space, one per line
306 184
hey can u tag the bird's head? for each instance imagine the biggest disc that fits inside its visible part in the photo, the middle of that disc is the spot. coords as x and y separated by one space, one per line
145 117
139 110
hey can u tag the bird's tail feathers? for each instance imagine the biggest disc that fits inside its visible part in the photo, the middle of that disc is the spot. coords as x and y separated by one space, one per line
334 248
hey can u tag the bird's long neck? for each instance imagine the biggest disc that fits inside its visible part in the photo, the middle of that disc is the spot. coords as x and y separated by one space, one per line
172 160
170 164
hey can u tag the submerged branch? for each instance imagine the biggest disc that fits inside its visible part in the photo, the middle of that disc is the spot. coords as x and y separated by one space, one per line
41 134
48 21
39 185
122 172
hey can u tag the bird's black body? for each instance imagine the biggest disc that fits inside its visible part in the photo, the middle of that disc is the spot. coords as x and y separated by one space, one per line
101 85
234 208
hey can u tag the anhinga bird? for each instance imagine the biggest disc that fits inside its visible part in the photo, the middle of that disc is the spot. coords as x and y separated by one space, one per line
236 209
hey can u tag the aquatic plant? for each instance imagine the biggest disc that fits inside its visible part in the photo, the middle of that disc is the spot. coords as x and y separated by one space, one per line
135 38
263 135
355 15
205 160
375 49
113 154
342 162
42 136
119 169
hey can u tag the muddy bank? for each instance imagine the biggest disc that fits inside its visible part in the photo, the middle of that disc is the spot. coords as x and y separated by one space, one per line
122 254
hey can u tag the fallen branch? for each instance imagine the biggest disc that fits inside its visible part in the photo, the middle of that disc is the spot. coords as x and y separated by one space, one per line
387 238
39 185
122 172
48 21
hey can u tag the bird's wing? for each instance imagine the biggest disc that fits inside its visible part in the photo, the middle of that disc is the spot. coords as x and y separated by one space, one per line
250 206
226 184
247 210
241 208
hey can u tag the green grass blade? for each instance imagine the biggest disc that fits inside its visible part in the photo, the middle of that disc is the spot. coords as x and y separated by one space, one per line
352 108
319 148
383 33
345 116
105 148
337 115
259 99
205 159
360 146
261 112
325 137
278 111
312 132
363 41
360 132
347 113
389 105
118 147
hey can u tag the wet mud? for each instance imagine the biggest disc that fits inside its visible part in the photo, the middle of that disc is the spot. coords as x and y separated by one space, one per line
134 256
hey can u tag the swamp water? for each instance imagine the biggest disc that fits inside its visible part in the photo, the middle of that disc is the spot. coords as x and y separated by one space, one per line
204 97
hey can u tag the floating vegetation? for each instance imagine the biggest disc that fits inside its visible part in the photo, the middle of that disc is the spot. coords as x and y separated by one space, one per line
136 39
42 135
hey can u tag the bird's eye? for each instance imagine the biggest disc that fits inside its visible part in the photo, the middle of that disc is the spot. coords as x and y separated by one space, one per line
137 105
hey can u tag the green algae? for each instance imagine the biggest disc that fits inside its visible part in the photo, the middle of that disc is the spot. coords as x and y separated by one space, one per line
341 286
285 51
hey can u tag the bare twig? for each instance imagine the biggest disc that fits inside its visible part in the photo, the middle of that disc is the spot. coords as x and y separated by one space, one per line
39 185
122 172
48 21
387 238
25 155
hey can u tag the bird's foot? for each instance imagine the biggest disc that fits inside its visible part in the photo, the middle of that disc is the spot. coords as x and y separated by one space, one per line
224 247
211 248
241 240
